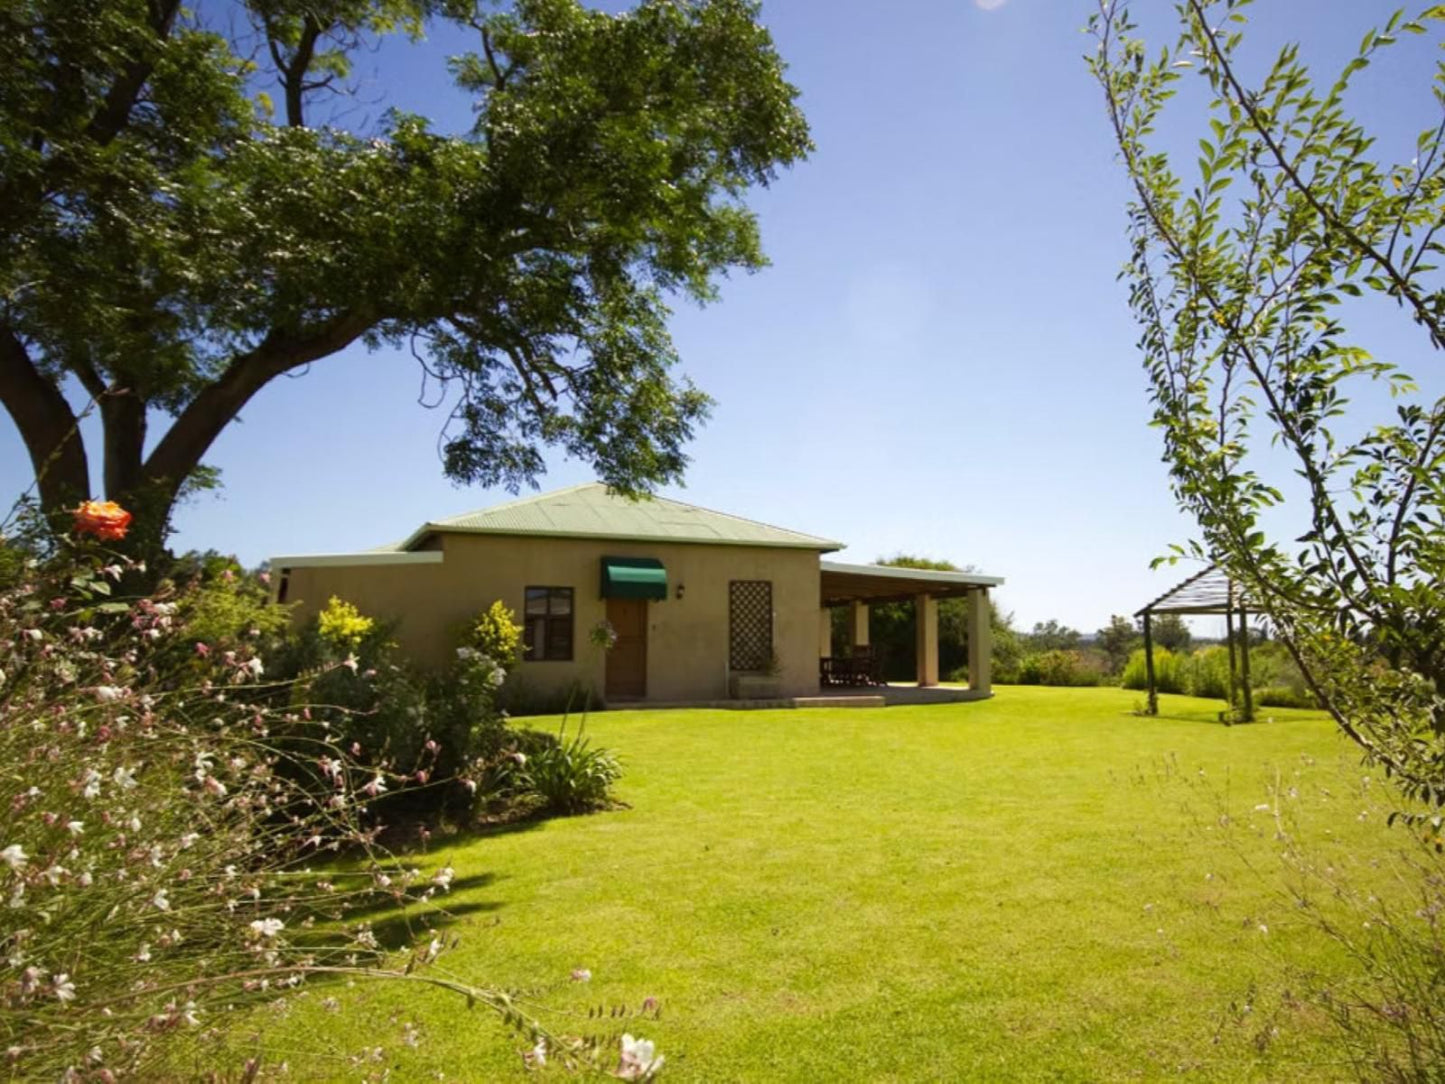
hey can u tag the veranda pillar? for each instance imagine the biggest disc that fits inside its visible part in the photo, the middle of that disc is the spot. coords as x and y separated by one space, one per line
980 643
925 611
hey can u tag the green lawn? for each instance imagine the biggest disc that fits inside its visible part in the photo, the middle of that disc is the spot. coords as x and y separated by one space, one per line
1035 887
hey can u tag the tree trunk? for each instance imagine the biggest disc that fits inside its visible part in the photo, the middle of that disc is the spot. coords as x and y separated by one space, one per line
48 426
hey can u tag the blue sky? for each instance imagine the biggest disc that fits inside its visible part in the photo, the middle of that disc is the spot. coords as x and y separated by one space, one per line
940 360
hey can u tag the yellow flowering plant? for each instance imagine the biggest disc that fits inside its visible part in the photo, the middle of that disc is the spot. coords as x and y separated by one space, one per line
343 624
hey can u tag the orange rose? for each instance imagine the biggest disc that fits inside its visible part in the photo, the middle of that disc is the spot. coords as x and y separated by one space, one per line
106 520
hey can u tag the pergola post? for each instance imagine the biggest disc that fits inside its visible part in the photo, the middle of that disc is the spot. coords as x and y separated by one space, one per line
1153 703
980 643
825 633
857 624
1229 637
925 621
1244 664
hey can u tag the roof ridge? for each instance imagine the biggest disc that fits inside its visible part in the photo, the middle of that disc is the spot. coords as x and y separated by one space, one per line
514 503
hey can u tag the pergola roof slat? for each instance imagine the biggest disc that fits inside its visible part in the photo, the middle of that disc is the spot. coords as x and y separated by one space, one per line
1210 591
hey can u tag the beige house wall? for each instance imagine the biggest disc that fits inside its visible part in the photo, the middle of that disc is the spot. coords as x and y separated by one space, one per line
687 649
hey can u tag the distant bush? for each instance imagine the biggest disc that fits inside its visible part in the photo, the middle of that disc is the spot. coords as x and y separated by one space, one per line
1275 679
1060 667
1208 672
1170 672
1282 696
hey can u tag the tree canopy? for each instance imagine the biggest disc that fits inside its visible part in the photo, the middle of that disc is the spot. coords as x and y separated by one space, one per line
181 223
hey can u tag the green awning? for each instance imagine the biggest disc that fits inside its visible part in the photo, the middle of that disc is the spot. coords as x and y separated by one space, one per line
633 577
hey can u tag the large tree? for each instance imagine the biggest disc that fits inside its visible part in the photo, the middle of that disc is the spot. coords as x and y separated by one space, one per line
184 219
1327 507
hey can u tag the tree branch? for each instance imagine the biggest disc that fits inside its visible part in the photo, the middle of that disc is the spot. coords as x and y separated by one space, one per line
189 438
1331 221
115 110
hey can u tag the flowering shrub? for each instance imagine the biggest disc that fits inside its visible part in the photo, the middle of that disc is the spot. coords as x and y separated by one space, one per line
439 738
158 831
342 624
495 634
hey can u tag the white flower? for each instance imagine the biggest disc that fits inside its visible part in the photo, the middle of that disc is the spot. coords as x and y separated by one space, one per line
75 828
64 988
254 665
581 974
443 877
34 635
637 1061
14 856
108 694
124 778
159 901
267 927
2 677
92 784
143 956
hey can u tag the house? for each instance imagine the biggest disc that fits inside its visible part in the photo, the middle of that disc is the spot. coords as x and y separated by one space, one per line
705 606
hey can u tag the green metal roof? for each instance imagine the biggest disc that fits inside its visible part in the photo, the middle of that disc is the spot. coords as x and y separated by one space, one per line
592 511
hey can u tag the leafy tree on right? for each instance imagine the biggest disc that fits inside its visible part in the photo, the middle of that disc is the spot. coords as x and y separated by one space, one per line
1245 279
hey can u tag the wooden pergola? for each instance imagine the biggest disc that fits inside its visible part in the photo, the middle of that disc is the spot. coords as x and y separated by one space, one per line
1207 593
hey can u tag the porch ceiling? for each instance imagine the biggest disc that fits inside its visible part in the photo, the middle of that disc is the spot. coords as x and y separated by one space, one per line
881 583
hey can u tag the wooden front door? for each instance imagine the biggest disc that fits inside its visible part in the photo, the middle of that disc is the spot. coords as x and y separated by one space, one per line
627 661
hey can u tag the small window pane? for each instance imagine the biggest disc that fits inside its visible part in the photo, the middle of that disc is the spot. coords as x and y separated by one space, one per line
559 640
562 602
536 600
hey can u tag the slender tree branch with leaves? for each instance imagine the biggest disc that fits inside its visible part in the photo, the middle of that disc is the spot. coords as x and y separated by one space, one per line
1245 280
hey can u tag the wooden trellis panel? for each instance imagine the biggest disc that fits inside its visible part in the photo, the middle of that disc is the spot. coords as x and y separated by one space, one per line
750 624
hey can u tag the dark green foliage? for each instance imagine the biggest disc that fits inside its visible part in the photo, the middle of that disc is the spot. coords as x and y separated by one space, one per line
521 698
1170 632
1052 636
172 240
1116 640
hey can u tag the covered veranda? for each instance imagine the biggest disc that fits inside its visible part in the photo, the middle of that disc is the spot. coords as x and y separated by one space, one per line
857 587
